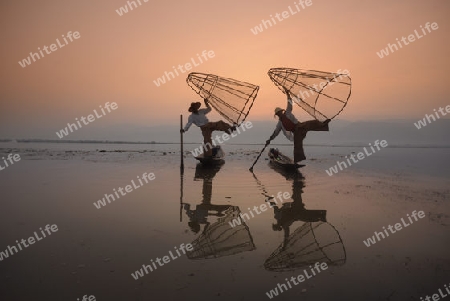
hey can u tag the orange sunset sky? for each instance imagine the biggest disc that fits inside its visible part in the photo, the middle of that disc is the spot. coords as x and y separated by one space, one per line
117 58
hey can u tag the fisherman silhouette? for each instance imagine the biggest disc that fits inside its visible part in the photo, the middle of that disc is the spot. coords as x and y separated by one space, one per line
198 117
295 130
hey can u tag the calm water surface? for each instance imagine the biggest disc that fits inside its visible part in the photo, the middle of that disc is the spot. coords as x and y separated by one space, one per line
324 219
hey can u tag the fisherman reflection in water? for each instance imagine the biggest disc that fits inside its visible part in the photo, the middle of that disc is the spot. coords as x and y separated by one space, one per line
294 130
217 239
295 211
199 216
198 117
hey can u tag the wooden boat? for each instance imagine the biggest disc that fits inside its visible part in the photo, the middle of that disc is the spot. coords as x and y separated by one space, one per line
279 160
216 159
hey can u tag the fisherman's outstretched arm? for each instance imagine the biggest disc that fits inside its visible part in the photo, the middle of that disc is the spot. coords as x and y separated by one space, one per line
275 132
188 124
208 107
289 102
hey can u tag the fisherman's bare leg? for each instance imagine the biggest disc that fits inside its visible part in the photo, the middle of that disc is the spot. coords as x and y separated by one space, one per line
221 126
314 125
299 136
301 130
207 130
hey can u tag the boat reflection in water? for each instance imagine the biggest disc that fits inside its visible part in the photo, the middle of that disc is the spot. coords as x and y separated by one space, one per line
316 240
219 238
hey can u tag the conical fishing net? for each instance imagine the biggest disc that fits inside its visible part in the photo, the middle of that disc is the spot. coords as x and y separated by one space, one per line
231 98
323 95
310 243
220 239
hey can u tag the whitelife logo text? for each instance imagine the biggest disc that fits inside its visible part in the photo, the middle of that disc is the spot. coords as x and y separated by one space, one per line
52 48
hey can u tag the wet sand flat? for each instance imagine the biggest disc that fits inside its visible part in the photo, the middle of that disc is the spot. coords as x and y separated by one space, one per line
95 251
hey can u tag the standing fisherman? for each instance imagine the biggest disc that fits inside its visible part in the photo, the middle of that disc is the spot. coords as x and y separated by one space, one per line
294 130
198 117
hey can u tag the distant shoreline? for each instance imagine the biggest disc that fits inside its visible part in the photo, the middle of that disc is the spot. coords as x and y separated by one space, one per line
196 143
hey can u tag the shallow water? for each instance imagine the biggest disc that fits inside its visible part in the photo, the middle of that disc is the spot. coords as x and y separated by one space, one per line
325 219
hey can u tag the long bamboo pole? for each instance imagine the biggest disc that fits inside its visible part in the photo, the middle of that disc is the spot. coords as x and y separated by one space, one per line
181 168
181 142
